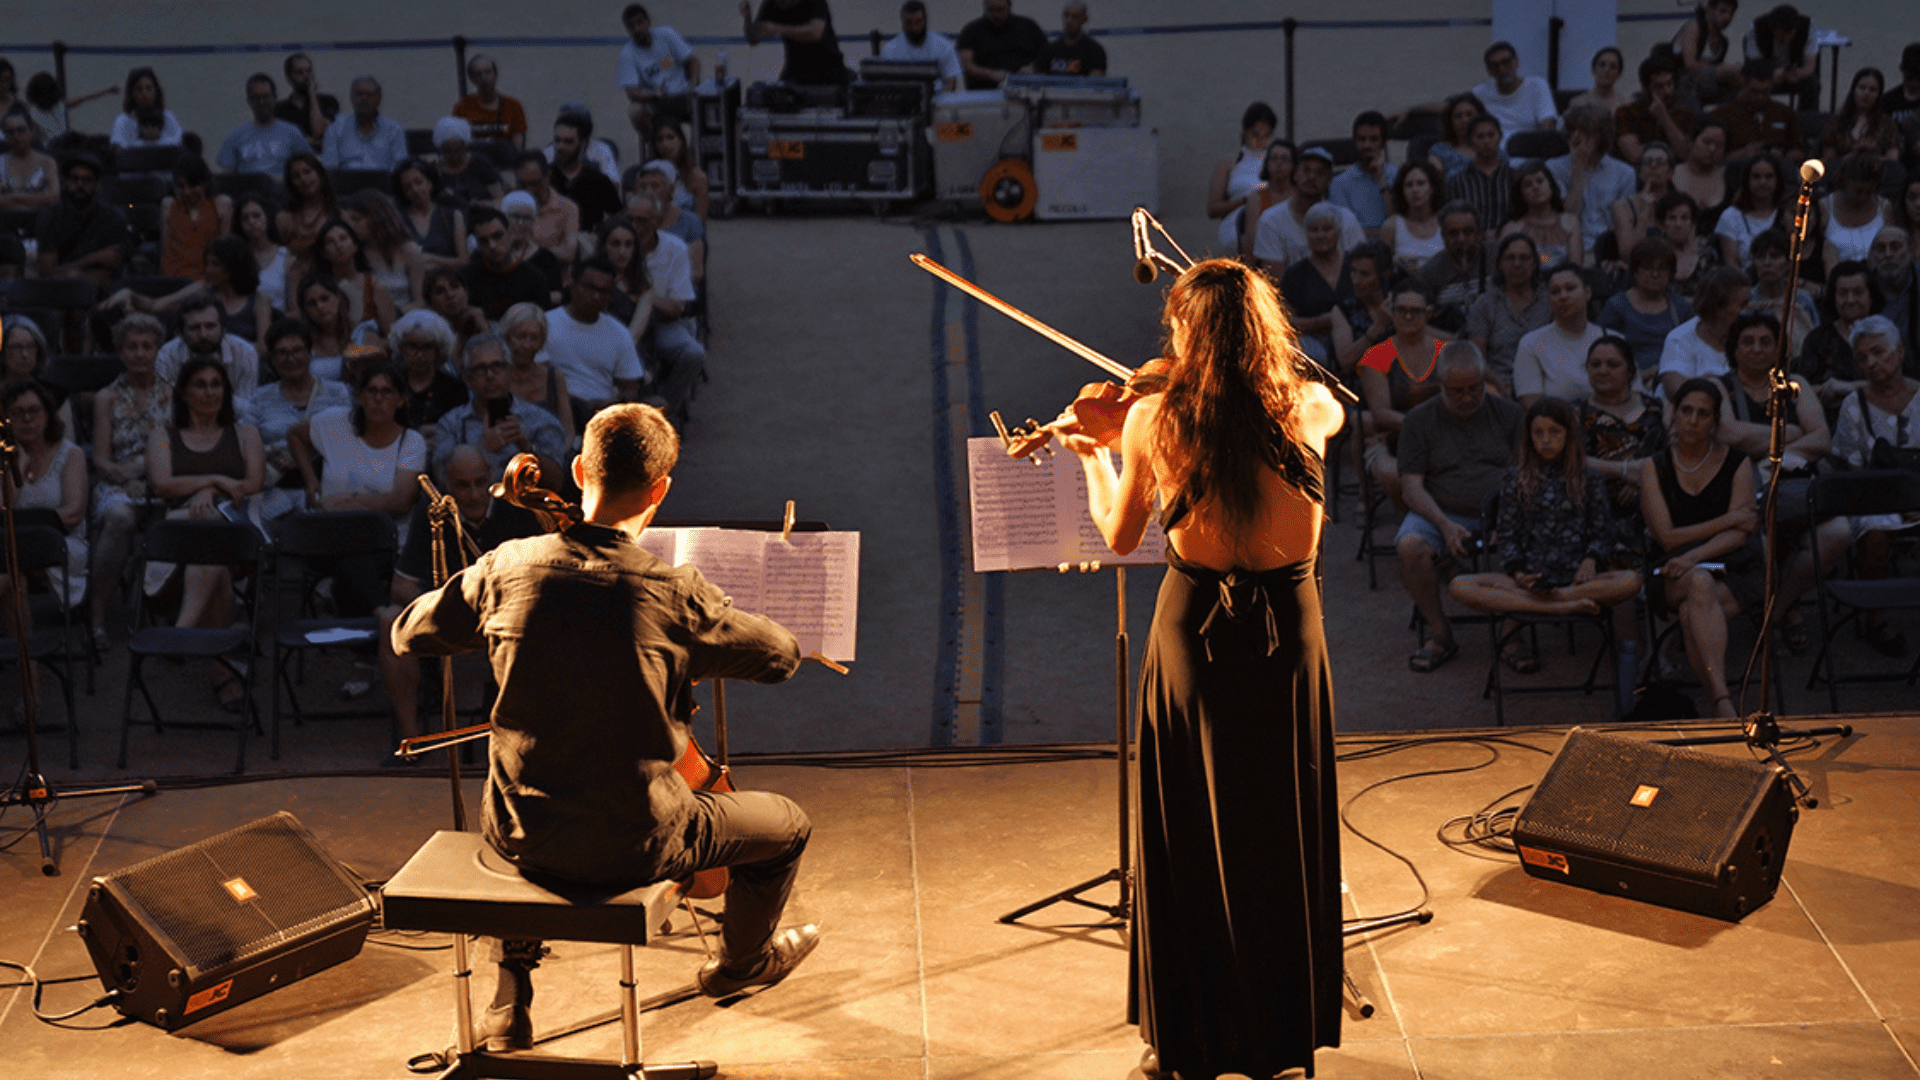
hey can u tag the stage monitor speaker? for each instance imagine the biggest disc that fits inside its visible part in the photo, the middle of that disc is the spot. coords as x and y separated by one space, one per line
1663 824
197 931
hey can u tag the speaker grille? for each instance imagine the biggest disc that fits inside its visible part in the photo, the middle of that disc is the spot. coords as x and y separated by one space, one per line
1591 789
241 893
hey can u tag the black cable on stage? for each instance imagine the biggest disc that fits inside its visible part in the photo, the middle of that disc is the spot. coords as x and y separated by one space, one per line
34 980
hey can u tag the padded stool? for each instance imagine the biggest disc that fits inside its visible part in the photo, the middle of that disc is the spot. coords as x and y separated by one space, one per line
457 884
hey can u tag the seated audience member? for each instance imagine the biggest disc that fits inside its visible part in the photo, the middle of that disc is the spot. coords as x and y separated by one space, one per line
365 140
47 107
1697 348
1500 317
1769 296
915 44
469 179
1592 178
487 521
1073 52
1884 406
310 203
670 143
1553 537
203 336
492 114
1710 66
496 421
276 406
1313 286
261 145
130 408
1902 103
1396 376
1701 173
1759 203
1520 104
1860 125
1783 40
1853 213
1364 307
142 92
1656 115
495 280
339 253
1826 357
677 358
998 44
1485 182
439 230
1236 175
1413 230
631 301
1460 273
1454 148
1891 257
1537 210
1552 361
50 474
523 214
657 178
556 221
1633 215
190 218
657 70
423 354
805 30
1454 451
594 195
29 179
594 349
1624 427
1756 123
229 277
1281 237
205 458
397 264
323 307
1752 344
305 107
529 376
1606 67
80 236
447 298
1241 226
1698 501
1362 187
598 153
23 355
1695 257
1649 308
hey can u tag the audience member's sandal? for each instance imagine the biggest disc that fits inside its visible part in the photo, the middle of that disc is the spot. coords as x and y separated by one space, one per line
232 697
1520 659
1886 640
1432 654
1793 633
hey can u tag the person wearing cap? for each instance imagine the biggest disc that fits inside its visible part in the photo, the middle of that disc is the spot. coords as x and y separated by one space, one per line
80 236
492 114
262 145
469 178
658 71
573 176
1281 235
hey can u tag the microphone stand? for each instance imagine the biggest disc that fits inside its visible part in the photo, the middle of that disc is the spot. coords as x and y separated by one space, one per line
1761 729
34 791
443 517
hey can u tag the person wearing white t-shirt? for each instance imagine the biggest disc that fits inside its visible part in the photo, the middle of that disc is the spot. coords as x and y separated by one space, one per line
916 44
592 348
1698 347
677 356
658 71
1552 361
1280 235
1520 104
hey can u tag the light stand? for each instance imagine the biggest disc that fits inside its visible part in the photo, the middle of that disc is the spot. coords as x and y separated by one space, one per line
34 792
1760 729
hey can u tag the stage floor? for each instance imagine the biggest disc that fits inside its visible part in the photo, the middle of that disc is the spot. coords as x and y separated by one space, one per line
914 860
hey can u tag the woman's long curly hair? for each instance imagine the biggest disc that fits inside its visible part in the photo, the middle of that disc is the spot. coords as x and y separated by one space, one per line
1235 389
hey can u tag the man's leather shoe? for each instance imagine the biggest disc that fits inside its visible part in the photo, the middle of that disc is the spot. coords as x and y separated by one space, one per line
783 954
503 1028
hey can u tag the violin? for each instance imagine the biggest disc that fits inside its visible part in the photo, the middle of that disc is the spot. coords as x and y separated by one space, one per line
1099 412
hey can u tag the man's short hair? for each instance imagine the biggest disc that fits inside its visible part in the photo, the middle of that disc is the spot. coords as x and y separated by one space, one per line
1457 206
596 261
1910 60
286 66
366 80
79 159
627 13
477 58
480 215
480 341
263 77
1655 64
1498 47
1597 119
1371 118
580 122
628 448
138 322
1484 118
913 7
201 302
533 157
1460 353
1564 267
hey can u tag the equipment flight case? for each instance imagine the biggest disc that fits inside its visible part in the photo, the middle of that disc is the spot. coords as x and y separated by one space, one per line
823 154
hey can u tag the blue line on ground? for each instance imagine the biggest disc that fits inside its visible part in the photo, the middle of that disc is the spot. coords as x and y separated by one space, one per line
993 658
946 664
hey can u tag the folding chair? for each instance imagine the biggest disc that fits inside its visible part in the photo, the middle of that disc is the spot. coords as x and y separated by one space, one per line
189 542
1376 511
1860 494
304 538
236 185
1536 145
146 159
43 548
347 181
498 151
51 302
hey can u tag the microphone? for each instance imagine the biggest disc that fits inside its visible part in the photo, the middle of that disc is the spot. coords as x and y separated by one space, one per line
1144 268
1811 171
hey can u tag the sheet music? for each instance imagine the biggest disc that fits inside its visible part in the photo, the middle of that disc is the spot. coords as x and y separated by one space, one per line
730 558
1028 517
809 583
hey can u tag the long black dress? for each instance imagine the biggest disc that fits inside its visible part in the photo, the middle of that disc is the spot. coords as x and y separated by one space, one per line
1236 942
